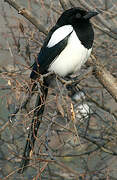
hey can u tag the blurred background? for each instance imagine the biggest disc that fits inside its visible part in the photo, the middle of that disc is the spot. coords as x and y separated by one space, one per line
80 134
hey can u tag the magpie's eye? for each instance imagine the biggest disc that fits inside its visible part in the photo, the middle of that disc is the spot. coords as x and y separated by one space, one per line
78 15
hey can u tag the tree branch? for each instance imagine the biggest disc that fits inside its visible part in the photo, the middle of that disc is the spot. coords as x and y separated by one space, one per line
27 14
104 77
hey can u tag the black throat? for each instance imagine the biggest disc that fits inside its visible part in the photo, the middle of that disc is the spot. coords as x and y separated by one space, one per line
85 33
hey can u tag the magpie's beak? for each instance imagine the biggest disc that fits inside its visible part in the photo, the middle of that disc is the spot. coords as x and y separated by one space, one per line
90 14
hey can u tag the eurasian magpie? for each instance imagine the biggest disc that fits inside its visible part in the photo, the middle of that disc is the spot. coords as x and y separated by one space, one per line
66 48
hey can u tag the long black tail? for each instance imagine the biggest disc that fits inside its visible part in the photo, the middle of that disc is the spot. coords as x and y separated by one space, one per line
37 118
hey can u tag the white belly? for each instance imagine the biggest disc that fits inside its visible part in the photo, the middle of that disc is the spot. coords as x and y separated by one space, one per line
71 58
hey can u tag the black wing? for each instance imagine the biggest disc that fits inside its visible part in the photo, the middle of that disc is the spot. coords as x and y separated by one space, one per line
47 55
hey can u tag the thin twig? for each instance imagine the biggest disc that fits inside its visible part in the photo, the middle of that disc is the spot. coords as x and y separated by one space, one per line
64 4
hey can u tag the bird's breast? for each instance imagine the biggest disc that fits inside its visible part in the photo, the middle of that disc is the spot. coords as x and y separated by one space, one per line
71 58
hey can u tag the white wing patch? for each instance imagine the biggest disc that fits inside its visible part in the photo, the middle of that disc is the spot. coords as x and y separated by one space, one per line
71 58
59 35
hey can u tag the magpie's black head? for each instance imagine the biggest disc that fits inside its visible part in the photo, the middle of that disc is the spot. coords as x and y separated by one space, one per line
75 15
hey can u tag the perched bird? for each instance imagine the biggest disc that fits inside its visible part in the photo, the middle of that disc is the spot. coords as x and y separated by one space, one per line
66 48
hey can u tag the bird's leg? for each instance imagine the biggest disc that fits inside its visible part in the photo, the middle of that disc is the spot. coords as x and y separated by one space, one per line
70 84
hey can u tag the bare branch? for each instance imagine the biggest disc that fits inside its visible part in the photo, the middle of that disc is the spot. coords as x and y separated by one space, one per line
28 15
104 76
64 4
